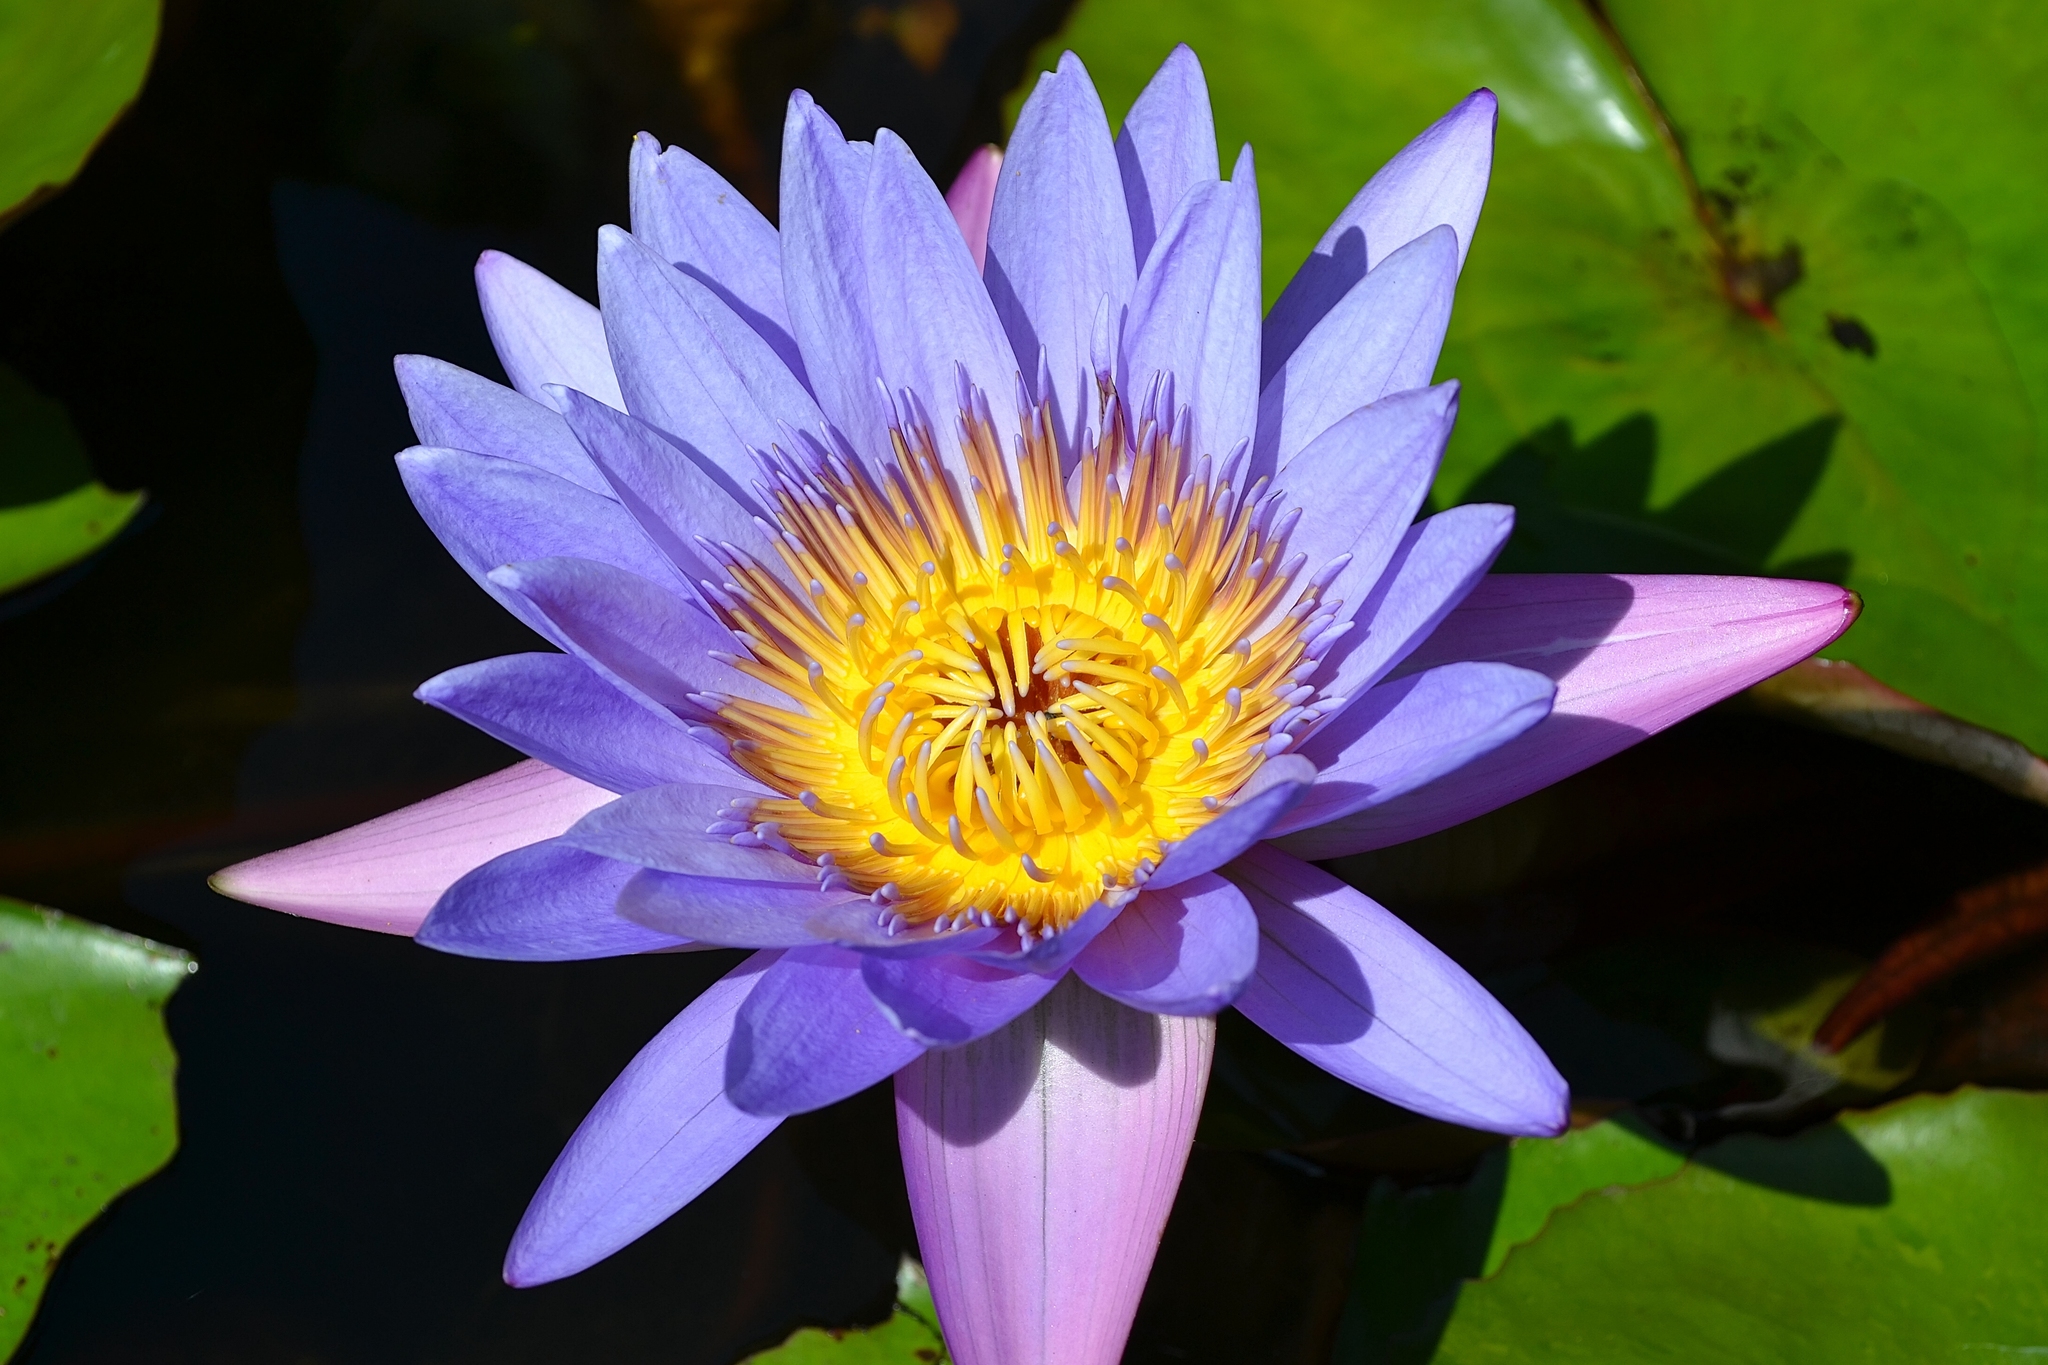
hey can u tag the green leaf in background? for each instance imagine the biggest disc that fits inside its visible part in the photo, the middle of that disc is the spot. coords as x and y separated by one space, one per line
1805 349
1417 1247
87 1107
52 511
1893 1235
39 539
67 70
909 1336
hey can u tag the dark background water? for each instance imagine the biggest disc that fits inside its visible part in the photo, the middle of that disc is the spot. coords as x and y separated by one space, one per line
299 195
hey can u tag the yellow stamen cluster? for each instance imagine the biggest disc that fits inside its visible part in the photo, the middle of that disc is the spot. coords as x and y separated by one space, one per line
1003 723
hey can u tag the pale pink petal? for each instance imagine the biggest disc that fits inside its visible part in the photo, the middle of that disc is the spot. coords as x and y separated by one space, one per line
386 873
1631 655
1042 1161
973 199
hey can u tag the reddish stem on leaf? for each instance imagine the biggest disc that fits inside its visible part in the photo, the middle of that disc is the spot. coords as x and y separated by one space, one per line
1979 924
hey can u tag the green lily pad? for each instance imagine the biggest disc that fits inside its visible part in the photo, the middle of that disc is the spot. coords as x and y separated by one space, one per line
1886 1235
67 70
1866 417
53 513
908 1336
43 537
1908 1241
1418 1247
87 1107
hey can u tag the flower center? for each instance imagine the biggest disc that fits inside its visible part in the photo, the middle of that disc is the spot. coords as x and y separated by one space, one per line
1004 724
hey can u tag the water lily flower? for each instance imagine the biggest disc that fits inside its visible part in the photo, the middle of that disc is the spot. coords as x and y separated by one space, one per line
977 609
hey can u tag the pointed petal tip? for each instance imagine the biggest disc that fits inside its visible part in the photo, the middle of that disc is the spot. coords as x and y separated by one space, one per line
385 874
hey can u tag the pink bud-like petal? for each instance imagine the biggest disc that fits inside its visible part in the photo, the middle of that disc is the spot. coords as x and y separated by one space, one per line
973 199
386 873
1042 1162
1631 654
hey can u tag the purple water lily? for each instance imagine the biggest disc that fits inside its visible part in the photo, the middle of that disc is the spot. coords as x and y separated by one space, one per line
982 614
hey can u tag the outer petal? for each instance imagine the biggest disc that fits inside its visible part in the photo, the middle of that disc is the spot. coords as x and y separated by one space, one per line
547 902
932 316
1360 994
1440 177
729 911
651 644
1167 146
1060 241
1186 950
824 276
810 1035
1631 655
489 512
699 223
672 829
1359 485
1438 561
658 1138
972 199
457 410
543 333
946 1001
1264 801
1381 338
708 890
554 708
1195 313
691 366
1403 735
386 873
1042 1161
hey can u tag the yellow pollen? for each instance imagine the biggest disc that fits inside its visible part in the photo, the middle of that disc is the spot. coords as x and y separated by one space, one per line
993 729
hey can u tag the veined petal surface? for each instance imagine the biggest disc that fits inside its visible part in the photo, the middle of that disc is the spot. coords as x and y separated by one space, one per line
1404 734
1186 949
544 334
385 874
489 512
546 902
824 274
1440 177
1350 987
688 364
658 1138
1381 338
696 221
1059 241
943 1001
810 1035
555 708
1194 320
457 410
1042 1161
1630 654
932 316
1166 147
